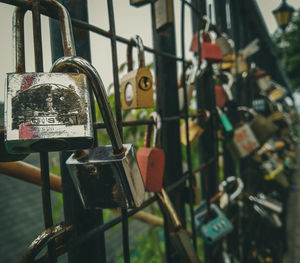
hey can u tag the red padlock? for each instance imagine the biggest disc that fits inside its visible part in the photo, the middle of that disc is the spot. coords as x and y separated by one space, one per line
221 96
152 160
209 51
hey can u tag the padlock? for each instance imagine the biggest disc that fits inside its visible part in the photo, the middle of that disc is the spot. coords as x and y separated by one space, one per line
46 111
276 94
243 142
240 66
179 238
106 176
225 44
262 127
217 228
267 202
152 160
61 231
192 73
224 186
4 155
194 131
137 85
221 96
138 3
224 120
209 51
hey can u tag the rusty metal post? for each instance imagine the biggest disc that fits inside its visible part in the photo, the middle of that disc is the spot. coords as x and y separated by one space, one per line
83 220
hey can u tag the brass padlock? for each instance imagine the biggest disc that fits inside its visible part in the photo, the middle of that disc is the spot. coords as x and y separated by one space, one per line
194 131
106 176
137 85
46 111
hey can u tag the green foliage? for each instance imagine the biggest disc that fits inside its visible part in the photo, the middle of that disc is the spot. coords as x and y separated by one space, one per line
148 248
292 49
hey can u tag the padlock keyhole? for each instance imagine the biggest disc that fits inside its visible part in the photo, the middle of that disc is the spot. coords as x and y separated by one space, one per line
145 83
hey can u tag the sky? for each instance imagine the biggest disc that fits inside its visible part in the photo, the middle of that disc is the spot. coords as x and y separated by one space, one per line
129 22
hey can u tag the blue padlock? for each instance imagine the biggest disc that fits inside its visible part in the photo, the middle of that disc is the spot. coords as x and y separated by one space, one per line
215 229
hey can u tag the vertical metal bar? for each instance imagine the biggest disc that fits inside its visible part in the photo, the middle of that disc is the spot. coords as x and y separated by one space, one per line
125 228
186 119
82 219
113 42
167 105
44 163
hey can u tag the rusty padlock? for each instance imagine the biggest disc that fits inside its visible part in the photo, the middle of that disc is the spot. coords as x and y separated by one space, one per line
137 85
263 128
152 160
46 111
209 51
106 176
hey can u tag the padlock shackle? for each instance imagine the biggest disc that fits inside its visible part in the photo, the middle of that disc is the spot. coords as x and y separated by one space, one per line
18 32
83 66
239 188
141 54
155 117
43 239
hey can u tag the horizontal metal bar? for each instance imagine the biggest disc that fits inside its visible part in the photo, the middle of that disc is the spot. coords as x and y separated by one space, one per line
84 25
101 125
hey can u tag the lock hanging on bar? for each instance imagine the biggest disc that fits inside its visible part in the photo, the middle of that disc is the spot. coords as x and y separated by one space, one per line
152 160
46 111
216 228
106 176
194 131
209 51
179 238
137 85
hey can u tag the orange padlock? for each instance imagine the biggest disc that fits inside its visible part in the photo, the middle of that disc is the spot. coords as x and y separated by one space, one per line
152 160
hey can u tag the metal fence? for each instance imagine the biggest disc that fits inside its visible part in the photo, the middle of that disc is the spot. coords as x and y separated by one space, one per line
88 242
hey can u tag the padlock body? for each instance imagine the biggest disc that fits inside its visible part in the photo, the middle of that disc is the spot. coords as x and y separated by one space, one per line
244 142
263 128
133 94
104 180
47 112
194 132
211 52
151 162
221 96
215 229
225 46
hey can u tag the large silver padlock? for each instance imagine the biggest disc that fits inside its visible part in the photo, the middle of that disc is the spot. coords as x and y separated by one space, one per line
137 85
46 111
106 176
